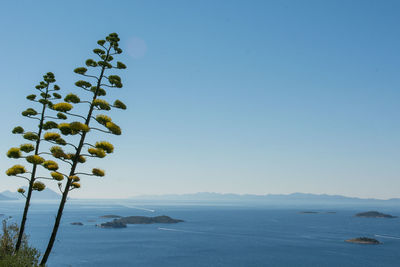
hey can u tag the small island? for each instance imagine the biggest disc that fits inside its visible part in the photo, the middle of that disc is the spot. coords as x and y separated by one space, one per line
148 220
123 221
364 240
113 224
374 214
77 223
308 212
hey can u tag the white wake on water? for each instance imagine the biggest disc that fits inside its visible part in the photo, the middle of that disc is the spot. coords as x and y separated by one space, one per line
135 207
388 236
179 230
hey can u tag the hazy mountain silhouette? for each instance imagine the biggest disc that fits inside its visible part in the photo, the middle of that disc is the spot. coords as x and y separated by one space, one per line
272 199
46 194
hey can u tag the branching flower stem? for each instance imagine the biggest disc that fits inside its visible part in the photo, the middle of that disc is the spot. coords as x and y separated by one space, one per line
33 174
75 162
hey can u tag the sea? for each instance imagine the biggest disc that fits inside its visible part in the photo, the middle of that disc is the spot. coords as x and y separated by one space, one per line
212 235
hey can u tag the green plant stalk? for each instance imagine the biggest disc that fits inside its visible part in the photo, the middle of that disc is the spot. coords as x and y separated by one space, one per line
33 175
72 172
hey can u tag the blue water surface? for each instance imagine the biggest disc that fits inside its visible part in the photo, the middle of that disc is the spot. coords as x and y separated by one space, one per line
212 235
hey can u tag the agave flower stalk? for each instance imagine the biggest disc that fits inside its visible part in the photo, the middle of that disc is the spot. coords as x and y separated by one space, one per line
108 48
45 96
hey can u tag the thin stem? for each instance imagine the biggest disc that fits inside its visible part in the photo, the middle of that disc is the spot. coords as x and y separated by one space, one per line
93 128
51 117
90 156
59 187
32 118
65 161
89 144
46 178
72 145
110 86
90 76
76 115
19 176
82 173
85 89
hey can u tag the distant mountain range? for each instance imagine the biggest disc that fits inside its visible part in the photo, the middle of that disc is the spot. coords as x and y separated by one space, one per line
271 199
46 194
295 199
5 197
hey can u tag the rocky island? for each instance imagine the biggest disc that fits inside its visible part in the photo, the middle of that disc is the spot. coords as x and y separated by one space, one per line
113 224
364 240
374 214
123 221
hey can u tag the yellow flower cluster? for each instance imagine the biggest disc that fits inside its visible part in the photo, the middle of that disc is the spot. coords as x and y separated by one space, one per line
73 128
15 170
75 185
35 159
74 178
21 190
77 126
14 153
57 176
101 104
50 165
106 146
98 152
18 130
81 159
72 98
71 156
49 136
64 128
114 129
38 186
98 172
27 148
62 107
31 136
50 125
103 119
57 152
119 104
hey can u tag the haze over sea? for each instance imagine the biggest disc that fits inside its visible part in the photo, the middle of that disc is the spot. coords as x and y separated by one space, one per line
220 234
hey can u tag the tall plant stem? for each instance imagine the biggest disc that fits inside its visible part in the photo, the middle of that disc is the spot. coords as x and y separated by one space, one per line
72 172
33 175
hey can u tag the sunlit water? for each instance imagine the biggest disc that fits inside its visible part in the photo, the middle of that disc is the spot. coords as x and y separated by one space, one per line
220 235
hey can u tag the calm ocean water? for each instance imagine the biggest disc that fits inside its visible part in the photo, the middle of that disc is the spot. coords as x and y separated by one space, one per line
221 235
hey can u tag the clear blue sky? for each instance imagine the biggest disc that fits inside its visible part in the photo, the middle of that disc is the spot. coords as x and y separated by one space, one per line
225 96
